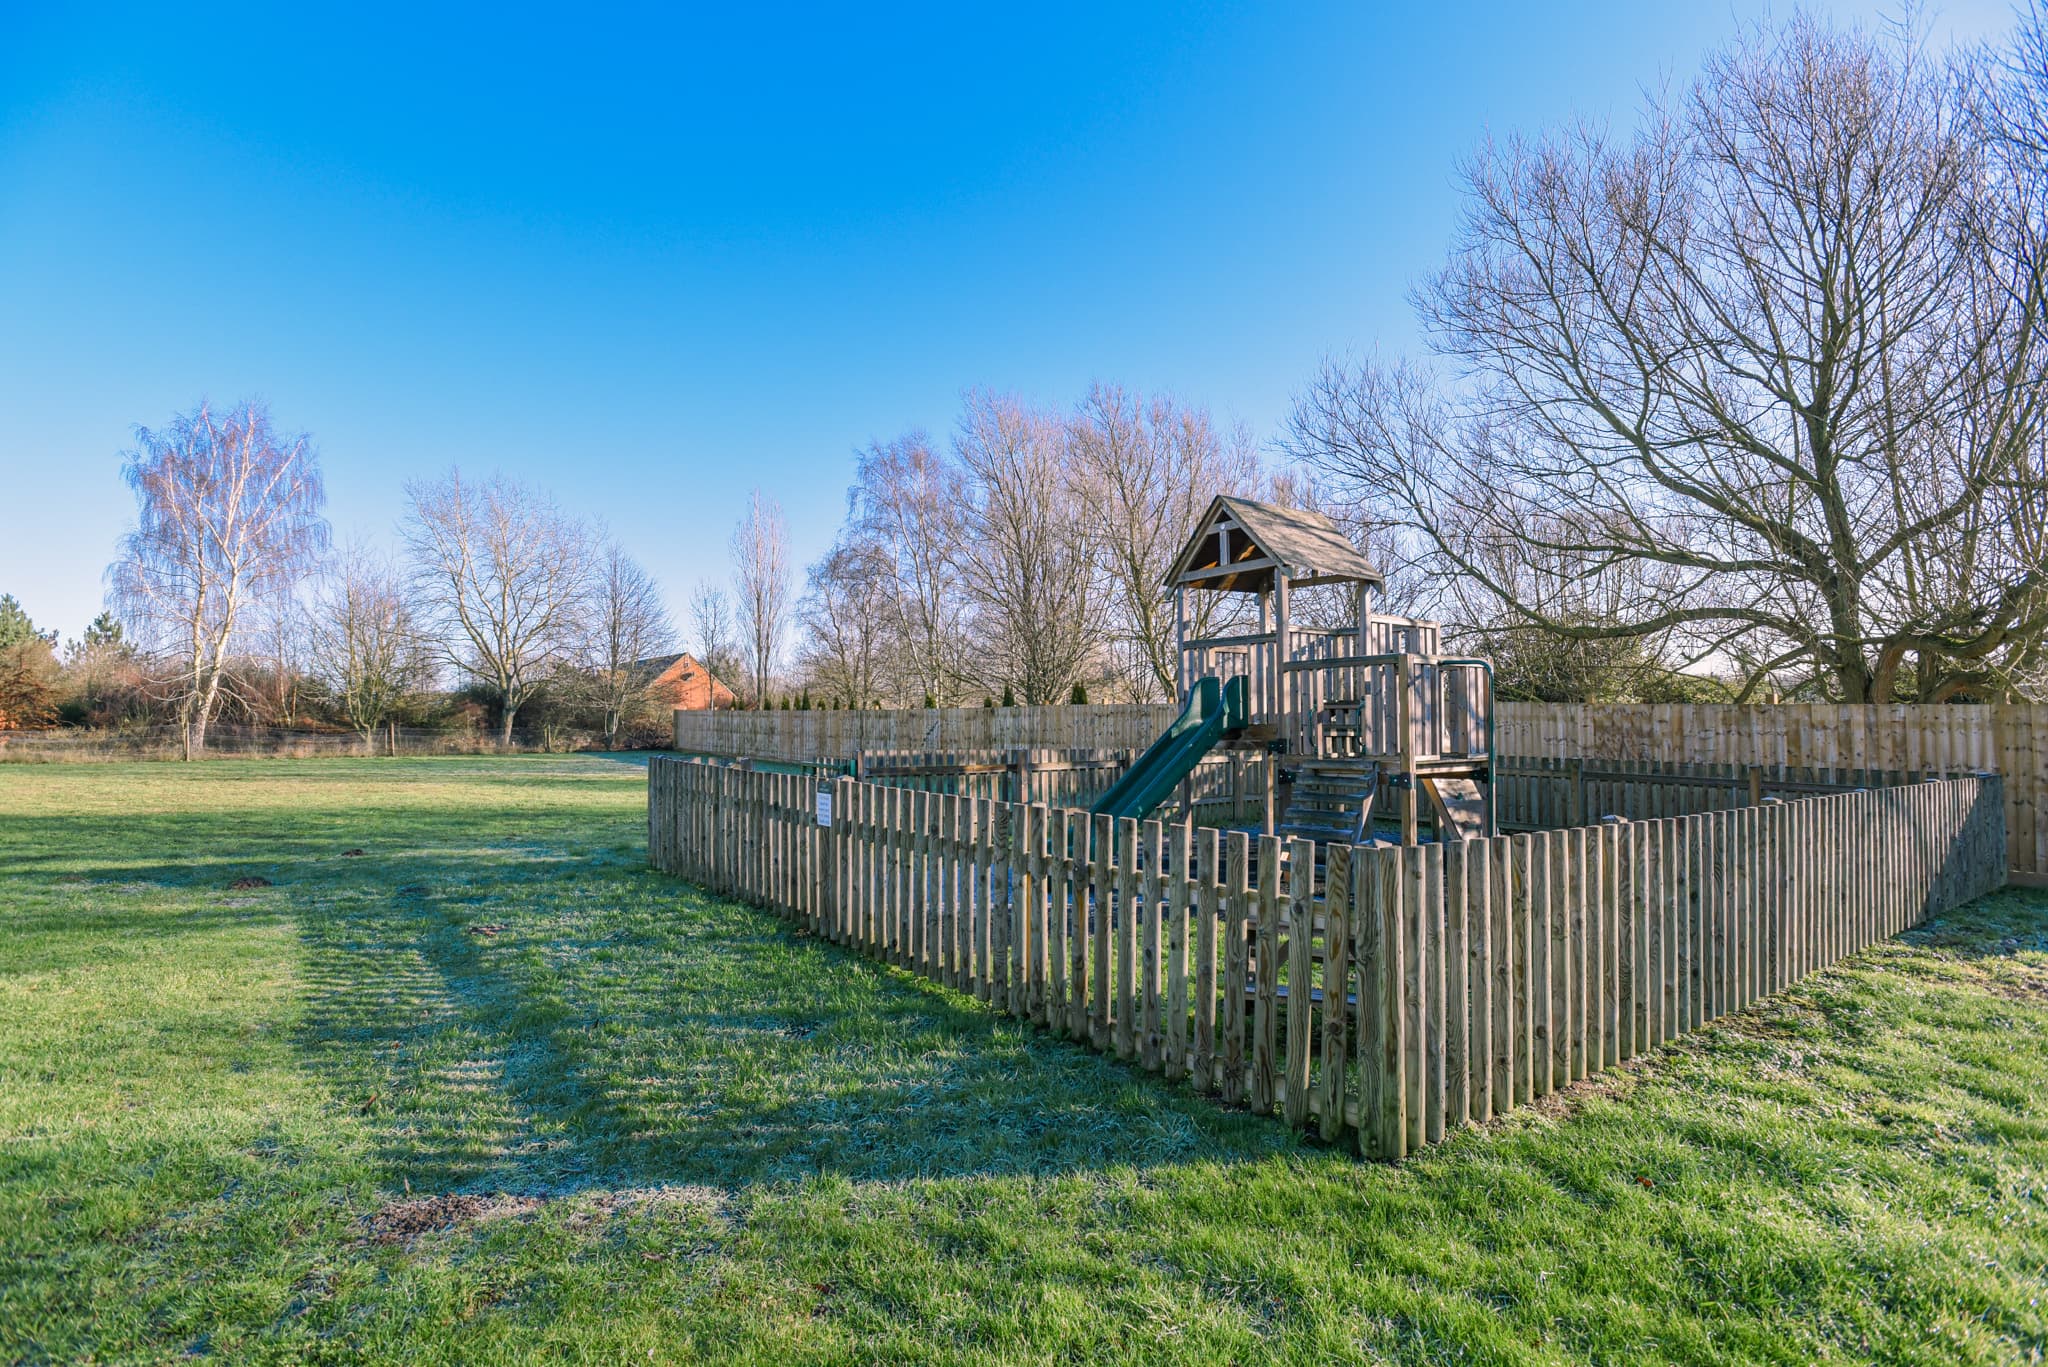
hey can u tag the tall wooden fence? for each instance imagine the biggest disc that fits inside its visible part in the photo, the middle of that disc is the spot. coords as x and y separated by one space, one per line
1391 994
2011 740
799 736
1224 788
1552 794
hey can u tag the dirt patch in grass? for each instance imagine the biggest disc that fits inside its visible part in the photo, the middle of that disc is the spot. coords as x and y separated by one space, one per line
401 1220
244 884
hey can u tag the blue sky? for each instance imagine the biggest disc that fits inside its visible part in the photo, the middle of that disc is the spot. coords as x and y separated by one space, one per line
653 258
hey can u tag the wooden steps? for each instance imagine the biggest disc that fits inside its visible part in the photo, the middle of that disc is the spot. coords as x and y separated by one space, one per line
1332 802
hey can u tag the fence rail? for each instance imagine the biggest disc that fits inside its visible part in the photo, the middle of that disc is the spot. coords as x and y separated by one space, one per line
1388 994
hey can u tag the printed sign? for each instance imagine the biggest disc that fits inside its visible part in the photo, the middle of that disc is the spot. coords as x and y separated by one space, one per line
824 806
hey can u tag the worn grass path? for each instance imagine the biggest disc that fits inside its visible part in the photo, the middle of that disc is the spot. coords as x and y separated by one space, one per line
492 1091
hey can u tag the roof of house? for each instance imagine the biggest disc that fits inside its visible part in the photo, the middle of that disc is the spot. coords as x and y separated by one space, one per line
1299 543
654 666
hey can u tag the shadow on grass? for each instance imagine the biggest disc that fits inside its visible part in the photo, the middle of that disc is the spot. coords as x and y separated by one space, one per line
2003 925
625 1030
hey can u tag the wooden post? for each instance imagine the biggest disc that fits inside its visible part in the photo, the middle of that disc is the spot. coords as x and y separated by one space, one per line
1337 923
1206 908
1404 725
1301 916
1237 908
1382 1008
1176 910
1283 699
1271 771
1266 979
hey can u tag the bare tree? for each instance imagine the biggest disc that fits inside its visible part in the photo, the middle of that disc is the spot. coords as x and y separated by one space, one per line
2016 123
275 666
760 556
503 575
1026 561
228 514
1149 470
905 501
366 641
1779 360
845 612
628 623
716 637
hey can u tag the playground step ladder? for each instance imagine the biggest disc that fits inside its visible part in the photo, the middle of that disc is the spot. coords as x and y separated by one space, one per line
1460 806
1332 803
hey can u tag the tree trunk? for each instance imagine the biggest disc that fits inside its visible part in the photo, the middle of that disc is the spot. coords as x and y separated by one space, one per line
506 716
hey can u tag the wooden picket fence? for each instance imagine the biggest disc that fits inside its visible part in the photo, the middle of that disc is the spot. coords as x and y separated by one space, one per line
1388 995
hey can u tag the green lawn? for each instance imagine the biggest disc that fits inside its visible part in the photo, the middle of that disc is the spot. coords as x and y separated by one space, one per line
491 1090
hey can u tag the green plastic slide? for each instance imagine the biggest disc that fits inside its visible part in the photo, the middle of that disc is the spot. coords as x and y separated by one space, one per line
1214 710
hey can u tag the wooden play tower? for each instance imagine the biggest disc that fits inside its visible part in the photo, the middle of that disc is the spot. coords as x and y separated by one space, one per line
1365 720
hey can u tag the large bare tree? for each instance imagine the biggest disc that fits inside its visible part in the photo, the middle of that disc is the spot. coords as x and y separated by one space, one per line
760 554
366 641
228 515
627 623
1777 360
1026 559
1148 469
503 575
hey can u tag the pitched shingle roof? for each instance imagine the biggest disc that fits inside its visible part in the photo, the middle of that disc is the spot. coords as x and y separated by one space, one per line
1306 545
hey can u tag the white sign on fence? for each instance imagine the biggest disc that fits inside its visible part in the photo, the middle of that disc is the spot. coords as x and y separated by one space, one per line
824 805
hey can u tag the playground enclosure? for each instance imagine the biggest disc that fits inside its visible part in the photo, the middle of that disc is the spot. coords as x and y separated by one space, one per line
1360 909
1383 996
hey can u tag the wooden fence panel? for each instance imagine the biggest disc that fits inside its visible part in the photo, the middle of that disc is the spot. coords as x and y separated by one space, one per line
1414 992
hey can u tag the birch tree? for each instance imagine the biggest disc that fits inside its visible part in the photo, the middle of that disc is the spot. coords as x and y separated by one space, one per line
227 515
503 577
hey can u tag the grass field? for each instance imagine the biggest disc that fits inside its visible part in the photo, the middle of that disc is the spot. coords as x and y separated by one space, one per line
491 1090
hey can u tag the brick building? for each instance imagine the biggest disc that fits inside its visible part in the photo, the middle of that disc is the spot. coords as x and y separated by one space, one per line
682 681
